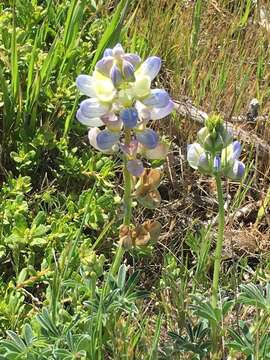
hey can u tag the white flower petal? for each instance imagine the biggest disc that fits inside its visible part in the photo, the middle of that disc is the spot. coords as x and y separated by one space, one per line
86 85
194 153
150 67
92 108
141 87
91 122
92 136
159 152
159 113
143 111
157 98
104 89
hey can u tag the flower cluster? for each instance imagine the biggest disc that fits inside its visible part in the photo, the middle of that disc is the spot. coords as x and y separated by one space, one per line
215 152
121 100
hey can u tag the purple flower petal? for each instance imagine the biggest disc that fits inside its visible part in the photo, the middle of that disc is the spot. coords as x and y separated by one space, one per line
237 148
104 65
106 139
203 162
159 113
148 138
131 148
150 67
92 136
129 117
116 75
158 98
135 167
237 171
112 122
128 71
85 85
217 163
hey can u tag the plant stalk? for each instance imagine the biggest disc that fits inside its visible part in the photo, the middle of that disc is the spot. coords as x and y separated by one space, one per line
127 200
216 340
221 225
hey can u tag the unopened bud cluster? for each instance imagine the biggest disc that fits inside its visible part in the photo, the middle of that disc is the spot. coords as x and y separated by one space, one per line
215 152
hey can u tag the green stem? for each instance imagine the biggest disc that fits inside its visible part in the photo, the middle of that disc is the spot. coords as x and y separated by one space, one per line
127 197
221 225
127 208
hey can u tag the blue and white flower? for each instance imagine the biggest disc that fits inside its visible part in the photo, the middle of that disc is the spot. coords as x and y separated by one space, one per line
219 154
120 98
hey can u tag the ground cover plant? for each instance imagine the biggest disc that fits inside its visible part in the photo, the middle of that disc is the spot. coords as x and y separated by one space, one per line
157 249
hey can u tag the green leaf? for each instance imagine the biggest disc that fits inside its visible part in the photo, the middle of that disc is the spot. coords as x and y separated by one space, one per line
28 334
16 339
121 277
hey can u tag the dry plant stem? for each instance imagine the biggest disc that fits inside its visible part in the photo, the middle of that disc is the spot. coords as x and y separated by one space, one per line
217 264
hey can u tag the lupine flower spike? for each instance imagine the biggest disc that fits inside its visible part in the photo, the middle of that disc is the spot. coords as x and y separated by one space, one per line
215 153
122 103
121 98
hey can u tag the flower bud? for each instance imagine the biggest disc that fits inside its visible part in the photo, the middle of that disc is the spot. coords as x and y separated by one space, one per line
108 52
128 71
214 141
115 75
236 171
134 59
118 51
217 164
104 65
135 167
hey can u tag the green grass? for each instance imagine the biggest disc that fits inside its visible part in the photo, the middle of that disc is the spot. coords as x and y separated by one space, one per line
60 201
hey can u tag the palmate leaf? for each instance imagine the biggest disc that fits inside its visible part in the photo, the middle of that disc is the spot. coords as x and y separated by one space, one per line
206 311
47 324
253 295
16 340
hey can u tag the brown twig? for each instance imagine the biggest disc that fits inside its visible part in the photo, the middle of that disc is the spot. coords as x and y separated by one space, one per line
187 110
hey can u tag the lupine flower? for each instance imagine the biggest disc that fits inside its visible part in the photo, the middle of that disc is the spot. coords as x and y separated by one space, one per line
215 152
121 98
233 168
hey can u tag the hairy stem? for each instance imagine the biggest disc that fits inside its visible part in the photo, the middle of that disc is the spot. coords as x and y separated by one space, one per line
221 224
127 207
